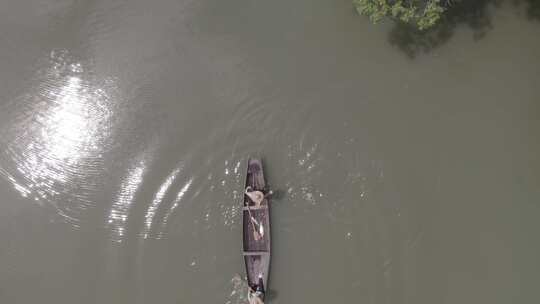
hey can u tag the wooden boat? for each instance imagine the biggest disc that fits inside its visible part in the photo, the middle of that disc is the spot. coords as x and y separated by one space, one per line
256 252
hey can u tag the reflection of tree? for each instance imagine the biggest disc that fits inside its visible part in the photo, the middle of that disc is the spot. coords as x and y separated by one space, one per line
533 10
473 13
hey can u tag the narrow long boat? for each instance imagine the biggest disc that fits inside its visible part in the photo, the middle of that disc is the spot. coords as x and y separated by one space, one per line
256 249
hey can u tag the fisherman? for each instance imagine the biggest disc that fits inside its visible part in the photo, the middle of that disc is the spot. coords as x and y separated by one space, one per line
257 197
256 292
254 297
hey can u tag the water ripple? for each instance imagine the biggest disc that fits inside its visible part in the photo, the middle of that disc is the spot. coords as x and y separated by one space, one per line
120 209
158 198
239 290
174 206
59 130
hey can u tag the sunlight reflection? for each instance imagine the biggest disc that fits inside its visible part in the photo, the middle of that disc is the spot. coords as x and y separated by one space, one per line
69 130
58 133
121 206
183 191
67 134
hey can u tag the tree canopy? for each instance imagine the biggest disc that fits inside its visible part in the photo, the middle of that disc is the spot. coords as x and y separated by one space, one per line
422 14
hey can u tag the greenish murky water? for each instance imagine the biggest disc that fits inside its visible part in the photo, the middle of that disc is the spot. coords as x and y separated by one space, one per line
406 166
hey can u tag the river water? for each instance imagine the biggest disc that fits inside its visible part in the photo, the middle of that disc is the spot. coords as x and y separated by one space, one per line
400 176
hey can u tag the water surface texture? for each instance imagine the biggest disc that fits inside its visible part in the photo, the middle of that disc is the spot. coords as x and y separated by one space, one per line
125 127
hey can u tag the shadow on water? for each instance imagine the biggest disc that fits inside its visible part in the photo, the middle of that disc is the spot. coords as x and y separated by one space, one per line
476 14
278 194
271 295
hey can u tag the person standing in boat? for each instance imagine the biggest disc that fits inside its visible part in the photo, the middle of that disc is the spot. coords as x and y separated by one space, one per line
256 292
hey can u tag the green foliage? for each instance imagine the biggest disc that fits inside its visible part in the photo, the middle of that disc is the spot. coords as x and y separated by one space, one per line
421 13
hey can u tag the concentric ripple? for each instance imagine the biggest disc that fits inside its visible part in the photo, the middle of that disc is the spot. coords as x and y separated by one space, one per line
60 128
